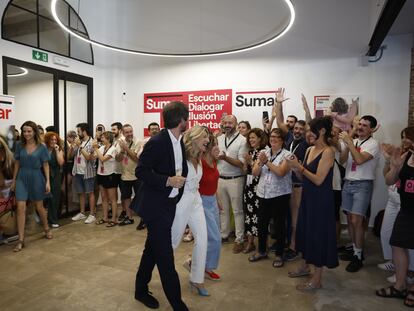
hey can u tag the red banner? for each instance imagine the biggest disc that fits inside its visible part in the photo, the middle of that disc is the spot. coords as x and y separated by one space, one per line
206 107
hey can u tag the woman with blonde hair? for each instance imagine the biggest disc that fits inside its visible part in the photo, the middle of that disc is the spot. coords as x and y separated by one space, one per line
190 210
29 181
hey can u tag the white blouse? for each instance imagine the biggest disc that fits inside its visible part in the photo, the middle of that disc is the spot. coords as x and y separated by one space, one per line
270 185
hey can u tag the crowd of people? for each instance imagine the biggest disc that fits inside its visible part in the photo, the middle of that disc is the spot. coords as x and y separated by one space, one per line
289 180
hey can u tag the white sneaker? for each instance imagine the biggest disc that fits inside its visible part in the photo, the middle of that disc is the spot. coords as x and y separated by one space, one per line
392 278
79 216
55 226
90 219
387 266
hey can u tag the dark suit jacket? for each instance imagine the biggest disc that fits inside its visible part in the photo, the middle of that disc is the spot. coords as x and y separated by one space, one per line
155 165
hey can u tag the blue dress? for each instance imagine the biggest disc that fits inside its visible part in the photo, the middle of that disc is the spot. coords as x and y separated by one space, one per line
316 233
30 181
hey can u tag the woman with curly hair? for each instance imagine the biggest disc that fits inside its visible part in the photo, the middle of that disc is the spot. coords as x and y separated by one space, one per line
190 208
52 142
29 181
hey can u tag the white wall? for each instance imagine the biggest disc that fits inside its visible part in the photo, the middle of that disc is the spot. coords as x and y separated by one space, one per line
33 102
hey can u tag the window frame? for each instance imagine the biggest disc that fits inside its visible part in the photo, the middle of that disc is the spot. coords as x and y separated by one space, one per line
37 46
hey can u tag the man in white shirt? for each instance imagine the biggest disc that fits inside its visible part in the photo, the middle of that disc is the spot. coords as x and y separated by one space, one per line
129 153
361 157
231 182
84 172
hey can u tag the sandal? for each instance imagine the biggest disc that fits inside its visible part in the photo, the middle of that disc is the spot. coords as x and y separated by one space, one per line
298 274
48 234
101 221
257 257
19 246
391 292
308 286
278 262
249 248
409 302
111 224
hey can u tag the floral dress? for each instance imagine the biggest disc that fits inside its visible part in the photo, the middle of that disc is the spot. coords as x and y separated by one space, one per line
250 200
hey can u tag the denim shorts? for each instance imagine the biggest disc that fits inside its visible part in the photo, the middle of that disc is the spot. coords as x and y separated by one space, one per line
83 185
356 196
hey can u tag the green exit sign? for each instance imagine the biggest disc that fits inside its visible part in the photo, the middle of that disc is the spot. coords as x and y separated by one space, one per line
40 56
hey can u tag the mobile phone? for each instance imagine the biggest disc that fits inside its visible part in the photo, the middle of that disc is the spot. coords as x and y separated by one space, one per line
265 115
99 128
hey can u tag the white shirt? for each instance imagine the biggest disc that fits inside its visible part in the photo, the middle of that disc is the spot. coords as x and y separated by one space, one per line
336 179
235 147
178 158
365 171
270 185
118 165
108 167
80 161
127 164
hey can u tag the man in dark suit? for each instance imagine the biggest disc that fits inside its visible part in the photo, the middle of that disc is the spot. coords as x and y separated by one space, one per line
161 169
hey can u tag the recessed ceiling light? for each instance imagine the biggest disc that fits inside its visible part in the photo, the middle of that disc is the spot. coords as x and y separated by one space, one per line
200 54
19 74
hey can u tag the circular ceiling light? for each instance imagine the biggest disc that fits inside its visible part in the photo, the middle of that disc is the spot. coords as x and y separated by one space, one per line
19 74
247 47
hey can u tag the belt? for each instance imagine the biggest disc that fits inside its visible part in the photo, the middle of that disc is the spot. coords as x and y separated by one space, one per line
231 177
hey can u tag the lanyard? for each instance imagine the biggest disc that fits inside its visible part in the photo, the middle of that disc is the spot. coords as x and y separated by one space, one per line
105 151
356 144
229 144
291 145
80 148
274 157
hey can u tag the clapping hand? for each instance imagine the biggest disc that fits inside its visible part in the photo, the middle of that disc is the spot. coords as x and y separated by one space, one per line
263 158
346 138
293 161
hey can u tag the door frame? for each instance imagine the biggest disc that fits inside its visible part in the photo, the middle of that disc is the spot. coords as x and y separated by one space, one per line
57 75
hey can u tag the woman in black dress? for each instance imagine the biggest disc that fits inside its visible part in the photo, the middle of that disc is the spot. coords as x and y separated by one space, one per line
402 237
257 140
315 235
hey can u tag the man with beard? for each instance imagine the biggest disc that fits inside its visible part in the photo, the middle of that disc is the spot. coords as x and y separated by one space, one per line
298 147
233 147
116 129
361 157
84 172
129 152
162 169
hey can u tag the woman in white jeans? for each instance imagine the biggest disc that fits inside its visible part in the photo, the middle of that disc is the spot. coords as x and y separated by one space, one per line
190 208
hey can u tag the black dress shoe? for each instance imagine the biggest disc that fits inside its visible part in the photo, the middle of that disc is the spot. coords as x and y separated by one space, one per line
148 300
141 225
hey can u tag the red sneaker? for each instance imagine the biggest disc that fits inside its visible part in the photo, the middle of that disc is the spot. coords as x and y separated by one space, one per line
212 276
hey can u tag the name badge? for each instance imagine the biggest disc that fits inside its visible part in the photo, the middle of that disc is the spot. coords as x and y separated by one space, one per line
249 180
126 160
409 186
102 169
78 159
268 179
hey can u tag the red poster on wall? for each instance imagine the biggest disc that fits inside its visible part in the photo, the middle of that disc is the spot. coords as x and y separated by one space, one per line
206 107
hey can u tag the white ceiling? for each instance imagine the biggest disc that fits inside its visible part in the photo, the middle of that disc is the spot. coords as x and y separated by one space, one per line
323 29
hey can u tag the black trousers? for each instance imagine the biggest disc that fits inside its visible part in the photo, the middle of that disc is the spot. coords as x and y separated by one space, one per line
277 209
158 251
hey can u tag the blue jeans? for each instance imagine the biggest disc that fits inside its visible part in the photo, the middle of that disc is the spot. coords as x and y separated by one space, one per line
356 196
211 213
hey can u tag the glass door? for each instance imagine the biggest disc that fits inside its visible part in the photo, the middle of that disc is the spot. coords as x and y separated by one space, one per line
73 109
